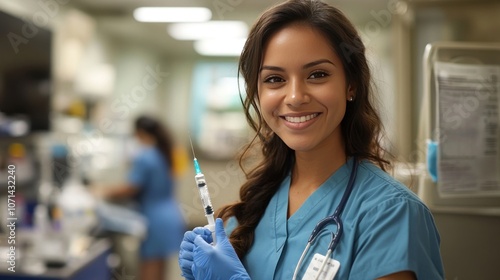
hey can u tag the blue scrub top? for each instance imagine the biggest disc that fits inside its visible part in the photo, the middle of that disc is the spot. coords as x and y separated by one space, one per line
166 226
387 229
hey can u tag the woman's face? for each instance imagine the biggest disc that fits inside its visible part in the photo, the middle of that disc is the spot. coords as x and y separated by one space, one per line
143 137
302 89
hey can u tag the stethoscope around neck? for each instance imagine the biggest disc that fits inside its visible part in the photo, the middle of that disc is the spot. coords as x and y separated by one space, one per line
336 219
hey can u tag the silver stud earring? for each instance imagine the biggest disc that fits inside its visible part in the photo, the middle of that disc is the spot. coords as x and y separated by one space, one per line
350 98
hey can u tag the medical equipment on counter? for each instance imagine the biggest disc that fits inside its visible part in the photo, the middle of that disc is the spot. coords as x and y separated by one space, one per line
333 218
204 195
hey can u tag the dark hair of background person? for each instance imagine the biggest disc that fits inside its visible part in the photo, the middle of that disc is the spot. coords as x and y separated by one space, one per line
361 126
164 142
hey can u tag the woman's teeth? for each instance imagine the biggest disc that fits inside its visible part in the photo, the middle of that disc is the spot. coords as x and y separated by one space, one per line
301 119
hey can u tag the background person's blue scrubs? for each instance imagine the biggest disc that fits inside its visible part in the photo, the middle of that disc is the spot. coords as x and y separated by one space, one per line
156 199
387 229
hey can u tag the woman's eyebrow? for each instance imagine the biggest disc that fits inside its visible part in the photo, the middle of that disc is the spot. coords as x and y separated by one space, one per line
308 65
272 68
317 62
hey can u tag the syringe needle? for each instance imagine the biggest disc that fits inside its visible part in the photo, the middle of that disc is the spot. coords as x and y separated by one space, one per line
195 161
192 149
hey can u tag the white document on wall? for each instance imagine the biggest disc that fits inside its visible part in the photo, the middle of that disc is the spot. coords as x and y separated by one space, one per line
468 128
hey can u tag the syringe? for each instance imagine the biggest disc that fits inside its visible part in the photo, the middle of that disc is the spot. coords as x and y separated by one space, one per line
205 197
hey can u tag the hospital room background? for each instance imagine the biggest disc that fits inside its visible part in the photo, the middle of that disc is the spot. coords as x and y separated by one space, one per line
74 74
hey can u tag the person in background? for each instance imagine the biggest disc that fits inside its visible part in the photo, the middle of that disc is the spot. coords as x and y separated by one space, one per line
309 100
151 184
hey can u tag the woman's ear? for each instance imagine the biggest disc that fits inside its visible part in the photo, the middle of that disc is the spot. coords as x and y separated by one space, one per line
351 93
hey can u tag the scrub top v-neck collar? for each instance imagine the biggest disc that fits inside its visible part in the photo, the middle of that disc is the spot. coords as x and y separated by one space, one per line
283 226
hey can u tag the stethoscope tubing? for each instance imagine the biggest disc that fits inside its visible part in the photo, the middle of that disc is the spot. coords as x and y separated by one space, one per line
323 222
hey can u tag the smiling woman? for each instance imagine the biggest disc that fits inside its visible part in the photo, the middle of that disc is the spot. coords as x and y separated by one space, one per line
303 94
308 98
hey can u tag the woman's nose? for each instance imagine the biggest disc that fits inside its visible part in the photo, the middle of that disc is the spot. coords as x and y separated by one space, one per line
296 94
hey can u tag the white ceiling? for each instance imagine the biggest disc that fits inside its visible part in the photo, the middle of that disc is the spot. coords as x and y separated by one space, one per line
115 18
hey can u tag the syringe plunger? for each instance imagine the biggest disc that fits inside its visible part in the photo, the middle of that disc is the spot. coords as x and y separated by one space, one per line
205 197
205 200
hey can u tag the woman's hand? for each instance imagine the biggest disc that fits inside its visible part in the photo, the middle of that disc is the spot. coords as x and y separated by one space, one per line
218 262
187 247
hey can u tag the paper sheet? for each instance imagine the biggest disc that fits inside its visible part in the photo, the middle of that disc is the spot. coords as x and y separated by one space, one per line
468 128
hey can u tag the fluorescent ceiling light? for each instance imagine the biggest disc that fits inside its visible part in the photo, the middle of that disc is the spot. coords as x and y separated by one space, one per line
220 47
208 30
172 14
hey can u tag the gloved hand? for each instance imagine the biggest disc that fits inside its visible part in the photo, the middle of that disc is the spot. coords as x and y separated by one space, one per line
187 247
218 262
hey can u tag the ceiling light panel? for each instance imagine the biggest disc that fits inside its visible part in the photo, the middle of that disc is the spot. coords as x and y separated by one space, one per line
172 14
208 30
220 47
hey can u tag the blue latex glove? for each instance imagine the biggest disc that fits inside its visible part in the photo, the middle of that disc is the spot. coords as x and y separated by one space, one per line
218 262
187 247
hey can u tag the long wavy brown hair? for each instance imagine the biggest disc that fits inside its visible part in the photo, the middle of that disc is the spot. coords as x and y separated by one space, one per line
361 126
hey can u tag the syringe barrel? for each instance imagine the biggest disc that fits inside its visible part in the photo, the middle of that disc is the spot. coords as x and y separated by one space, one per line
211 226
204 195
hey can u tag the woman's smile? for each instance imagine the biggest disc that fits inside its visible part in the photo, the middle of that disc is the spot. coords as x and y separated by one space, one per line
299 121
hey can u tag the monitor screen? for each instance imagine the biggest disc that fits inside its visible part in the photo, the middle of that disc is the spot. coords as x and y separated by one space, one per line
25 72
